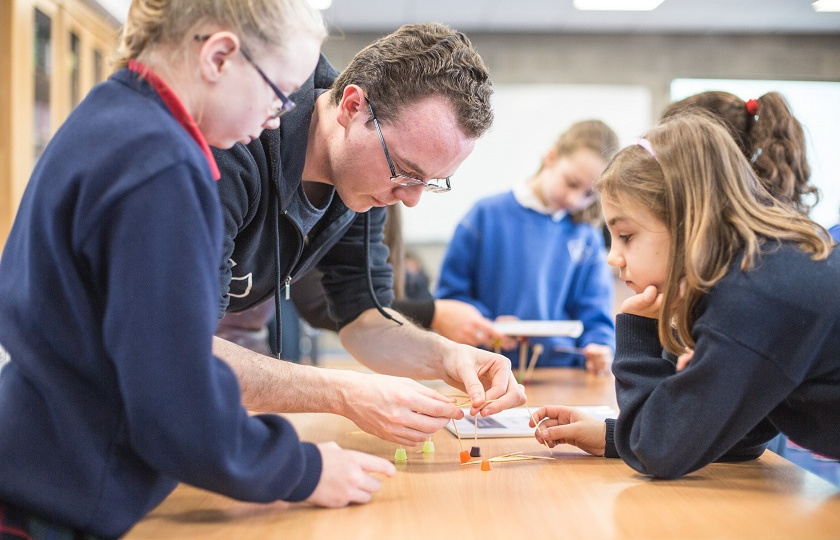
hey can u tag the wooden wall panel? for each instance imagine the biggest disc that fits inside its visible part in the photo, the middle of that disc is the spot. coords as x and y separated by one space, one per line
17 82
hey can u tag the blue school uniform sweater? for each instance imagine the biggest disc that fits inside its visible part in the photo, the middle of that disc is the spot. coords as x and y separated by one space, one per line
506 259
835 232
108 301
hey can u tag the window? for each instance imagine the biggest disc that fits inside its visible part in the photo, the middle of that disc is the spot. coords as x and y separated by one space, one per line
74 55
43 80
98 66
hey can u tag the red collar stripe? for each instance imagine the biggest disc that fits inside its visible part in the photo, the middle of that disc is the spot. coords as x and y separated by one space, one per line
178 111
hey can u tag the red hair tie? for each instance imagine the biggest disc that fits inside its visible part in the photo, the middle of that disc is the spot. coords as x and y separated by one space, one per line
752 107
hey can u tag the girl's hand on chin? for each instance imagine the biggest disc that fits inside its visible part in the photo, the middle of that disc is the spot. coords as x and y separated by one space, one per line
645 304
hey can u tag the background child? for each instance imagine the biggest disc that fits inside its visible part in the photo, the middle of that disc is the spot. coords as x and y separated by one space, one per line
109 289
750 285
535 253
770 137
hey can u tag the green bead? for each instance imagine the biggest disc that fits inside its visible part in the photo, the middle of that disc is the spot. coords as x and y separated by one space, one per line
400 455
428 447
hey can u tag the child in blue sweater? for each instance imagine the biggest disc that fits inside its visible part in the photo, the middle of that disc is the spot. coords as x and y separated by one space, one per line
109 392
535 253
721 267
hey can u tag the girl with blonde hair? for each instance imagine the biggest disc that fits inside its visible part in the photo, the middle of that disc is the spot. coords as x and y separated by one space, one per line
721 266
108 287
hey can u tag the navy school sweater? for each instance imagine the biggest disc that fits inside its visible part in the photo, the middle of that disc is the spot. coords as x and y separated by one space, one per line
108 300
766 360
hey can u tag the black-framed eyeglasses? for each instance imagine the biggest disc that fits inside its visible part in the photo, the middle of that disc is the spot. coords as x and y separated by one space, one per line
435 185
286 104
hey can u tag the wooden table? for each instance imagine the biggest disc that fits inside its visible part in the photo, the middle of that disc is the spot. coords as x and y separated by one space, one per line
434 497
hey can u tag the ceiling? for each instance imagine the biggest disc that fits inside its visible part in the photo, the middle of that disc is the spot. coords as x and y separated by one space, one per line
673 16
751 16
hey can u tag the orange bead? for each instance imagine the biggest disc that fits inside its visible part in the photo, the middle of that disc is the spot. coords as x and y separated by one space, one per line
465 456
485 464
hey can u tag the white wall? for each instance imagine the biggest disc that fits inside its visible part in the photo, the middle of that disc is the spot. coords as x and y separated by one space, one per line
528 119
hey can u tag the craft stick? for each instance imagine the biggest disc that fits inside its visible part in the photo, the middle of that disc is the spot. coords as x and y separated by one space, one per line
510 458
515 456
523 355
494 460
532 365
519 458
530 456
507 455
474 461
476 429
455 425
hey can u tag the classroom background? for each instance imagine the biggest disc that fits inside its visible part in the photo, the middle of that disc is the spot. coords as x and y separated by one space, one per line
552 63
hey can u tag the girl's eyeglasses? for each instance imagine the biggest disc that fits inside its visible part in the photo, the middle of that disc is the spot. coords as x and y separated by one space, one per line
286 105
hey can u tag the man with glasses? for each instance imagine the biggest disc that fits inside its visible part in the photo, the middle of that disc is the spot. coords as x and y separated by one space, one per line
313 194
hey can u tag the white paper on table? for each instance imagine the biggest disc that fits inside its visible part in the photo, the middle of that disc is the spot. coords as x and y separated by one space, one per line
514 422
539 328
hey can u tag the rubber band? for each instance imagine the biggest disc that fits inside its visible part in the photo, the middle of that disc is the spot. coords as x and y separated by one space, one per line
532 365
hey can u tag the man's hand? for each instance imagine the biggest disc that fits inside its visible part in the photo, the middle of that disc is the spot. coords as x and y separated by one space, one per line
412 352
347 476
484 376
396 409
567 425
